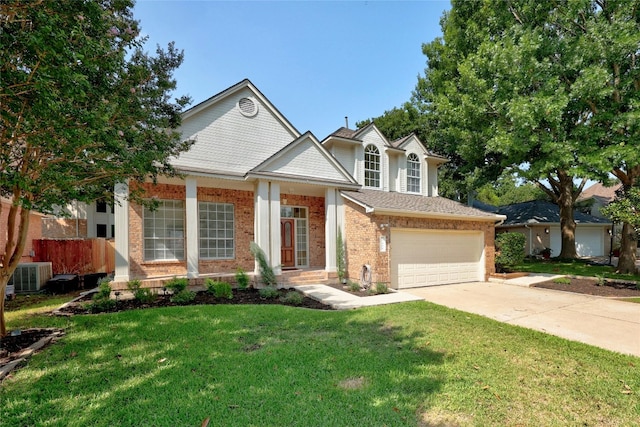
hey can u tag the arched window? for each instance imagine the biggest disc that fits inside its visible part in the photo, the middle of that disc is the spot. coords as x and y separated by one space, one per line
413 173
371 166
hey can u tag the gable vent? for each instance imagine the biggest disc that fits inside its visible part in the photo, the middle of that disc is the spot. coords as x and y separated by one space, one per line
248 107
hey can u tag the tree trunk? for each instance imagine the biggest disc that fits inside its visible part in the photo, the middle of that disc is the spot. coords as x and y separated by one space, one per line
565 202
4 280
628 245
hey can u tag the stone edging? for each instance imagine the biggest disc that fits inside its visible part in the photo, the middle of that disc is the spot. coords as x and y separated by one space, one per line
25 354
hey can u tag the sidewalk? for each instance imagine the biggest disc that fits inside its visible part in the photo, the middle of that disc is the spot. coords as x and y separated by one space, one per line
341 300
602 322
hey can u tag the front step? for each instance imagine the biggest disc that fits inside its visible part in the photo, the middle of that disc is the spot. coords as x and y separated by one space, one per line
304 277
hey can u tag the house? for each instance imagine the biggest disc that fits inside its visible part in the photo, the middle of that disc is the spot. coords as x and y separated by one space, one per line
595 197
539 221
79 220
35 231
252 176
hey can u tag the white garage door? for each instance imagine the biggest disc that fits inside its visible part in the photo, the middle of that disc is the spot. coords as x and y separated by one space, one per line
589 241
426 257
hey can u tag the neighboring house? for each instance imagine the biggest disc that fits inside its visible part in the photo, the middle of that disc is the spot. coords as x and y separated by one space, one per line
35 231
252 176
539 221
80 221
594 198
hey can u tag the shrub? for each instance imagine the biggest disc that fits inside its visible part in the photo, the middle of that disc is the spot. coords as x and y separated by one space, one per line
511 250
269 292
177 285
340 257
140 294
562 280
104 288
102 301
266 272
353 286
219 289
293 298
601 280
183 297
379 288
242 279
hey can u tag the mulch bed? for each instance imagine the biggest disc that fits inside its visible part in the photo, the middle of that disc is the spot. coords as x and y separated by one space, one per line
612 289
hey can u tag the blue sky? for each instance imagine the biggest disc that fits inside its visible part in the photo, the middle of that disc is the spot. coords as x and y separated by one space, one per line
317 62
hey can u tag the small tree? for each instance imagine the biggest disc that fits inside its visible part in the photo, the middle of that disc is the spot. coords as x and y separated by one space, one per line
83 107
266 272
340 257
511 250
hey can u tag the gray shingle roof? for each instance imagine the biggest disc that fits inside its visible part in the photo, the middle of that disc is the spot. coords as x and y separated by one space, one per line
343 132
415 204
540 211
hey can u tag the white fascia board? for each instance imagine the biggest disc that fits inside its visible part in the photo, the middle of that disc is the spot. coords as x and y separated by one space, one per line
437 215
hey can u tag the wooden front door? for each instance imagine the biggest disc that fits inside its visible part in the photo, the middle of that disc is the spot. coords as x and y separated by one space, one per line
287 242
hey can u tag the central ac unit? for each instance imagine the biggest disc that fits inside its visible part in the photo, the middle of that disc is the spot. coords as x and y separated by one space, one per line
31 276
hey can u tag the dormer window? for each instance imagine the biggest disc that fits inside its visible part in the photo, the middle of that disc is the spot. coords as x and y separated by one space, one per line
371 166
413 173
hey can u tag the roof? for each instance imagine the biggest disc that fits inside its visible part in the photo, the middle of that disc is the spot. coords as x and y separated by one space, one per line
344 132
600 192
542 212
391 203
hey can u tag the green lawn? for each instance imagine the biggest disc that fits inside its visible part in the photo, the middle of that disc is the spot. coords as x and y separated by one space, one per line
571 267
402 364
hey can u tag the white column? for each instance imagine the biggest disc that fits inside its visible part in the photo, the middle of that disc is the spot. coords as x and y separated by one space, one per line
121 213
261 219
330 229
191 222
275 255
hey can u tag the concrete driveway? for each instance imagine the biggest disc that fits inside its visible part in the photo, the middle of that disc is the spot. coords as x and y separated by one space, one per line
610 324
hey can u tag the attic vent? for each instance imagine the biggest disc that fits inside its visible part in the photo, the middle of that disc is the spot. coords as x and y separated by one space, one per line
247 107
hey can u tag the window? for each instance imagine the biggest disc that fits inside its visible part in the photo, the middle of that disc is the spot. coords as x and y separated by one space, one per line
413 173
164 231
101 206
101 230
216 230
371 167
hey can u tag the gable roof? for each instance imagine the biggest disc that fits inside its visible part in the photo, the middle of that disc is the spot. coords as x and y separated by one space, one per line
401 142
391 203
305 160
598 191
542 212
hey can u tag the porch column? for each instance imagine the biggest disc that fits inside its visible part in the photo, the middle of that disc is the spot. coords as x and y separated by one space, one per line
330 229
261 220
121 213
275 255
191 219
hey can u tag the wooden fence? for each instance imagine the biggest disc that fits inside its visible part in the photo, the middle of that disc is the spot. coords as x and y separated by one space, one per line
77 256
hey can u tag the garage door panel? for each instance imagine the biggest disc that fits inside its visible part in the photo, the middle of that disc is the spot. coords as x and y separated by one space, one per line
423 258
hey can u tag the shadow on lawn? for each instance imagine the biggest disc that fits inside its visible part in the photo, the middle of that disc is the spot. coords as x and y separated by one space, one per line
238 365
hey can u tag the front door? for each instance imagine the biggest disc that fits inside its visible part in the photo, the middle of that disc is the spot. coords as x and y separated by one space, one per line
287 242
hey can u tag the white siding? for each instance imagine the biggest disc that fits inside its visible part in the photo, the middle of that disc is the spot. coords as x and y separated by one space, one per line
304 159
347 158
229 141
372 137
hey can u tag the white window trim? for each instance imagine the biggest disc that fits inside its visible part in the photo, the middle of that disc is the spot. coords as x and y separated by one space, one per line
145 238
233 239
419 173
295 229
379 163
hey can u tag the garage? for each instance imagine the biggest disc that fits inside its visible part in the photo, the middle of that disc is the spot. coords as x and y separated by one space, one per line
589 241
435 257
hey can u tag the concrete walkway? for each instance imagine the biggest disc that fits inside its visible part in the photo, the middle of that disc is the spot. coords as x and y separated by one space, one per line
602 322
341 300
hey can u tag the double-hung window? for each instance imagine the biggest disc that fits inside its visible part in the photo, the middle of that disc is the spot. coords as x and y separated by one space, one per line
413 173
371 166
164 231
217 237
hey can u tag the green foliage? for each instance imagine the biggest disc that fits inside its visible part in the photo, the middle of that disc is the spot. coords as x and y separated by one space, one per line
104 288
219 289
140 294
242 279
562 280
353 286
625 207
601 280
293 298
269 292
379 288
82 106
177 284
511 249
507 190
183 297
340 257
266 272
102 301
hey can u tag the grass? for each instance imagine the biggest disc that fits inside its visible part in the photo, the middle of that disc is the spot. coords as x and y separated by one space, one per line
571 268
395 365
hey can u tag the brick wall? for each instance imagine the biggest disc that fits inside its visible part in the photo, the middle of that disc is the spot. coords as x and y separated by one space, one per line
34 232
363 232
315 206
63 228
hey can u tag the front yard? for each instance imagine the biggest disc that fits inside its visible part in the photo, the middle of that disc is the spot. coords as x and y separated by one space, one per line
403 364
